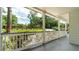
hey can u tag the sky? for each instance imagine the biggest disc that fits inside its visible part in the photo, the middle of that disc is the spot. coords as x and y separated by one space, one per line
21 14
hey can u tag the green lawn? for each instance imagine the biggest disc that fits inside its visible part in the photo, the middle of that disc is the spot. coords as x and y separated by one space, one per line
24 30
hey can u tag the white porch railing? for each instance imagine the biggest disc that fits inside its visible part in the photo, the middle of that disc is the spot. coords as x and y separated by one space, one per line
12 41
20 41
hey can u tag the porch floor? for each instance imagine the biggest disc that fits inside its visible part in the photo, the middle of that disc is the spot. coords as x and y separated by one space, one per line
61 44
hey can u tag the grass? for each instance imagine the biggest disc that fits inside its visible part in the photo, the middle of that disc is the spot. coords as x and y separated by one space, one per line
24 30
27 30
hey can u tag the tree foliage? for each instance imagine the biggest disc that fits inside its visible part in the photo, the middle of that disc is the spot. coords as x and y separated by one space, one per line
36 21
14 20
4 20
50 22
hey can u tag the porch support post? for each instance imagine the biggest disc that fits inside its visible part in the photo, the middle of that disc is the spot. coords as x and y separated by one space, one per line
58 28
9 20
0 28
58 25
43 14
65 28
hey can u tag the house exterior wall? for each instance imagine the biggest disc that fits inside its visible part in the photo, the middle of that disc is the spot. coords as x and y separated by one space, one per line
74 26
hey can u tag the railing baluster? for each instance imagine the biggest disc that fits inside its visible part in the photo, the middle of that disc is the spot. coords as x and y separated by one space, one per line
22 39
5 43
16 41
13 42
2 42
10 39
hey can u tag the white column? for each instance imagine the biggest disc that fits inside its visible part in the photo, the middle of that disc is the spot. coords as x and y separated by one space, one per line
0 28
65 28
43 27
58 28
58 25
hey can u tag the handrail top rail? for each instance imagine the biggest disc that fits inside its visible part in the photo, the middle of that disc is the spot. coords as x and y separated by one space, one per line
17 33
27 32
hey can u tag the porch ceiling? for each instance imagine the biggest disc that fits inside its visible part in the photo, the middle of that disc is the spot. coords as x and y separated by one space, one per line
60 12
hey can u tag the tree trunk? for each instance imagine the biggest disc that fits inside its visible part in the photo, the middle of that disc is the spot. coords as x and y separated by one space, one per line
9 20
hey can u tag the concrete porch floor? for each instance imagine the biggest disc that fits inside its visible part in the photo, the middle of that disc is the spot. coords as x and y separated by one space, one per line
61 44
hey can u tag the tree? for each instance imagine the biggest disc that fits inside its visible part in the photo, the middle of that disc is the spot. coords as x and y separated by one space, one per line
4 20
35 21
14 20
50 22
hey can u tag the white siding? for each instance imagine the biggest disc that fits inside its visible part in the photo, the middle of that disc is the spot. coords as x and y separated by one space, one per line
74 26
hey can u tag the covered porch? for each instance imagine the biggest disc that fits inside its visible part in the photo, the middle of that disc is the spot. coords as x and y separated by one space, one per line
24 40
